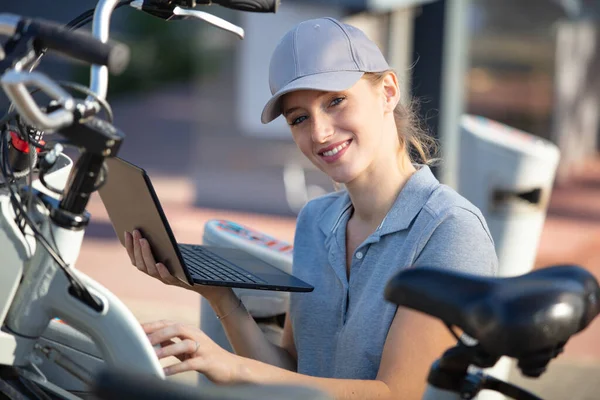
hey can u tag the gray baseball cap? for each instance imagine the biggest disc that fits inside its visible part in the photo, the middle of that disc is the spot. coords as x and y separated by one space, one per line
320 54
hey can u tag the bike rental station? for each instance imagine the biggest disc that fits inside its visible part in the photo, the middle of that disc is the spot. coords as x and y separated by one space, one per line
65 336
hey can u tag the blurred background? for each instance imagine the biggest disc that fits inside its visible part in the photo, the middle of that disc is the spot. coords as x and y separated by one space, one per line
190 105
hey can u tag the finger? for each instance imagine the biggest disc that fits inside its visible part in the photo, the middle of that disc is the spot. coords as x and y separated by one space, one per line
186 347
129 246
193 364
168 343
148 258
169 332
176 331
137 254
151 327
165 275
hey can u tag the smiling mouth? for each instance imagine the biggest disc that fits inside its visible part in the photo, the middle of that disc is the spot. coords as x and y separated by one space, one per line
335 150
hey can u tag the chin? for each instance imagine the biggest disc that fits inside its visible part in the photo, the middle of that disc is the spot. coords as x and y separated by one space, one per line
342 179
342 175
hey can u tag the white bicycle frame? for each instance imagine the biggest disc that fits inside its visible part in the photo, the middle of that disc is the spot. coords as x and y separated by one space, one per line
33 289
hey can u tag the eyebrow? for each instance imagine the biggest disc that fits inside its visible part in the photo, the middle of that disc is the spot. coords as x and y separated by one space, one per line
287 112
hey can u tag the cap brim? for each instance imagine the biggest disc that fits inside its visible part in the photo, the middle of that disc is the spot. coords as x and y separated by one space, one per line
327 82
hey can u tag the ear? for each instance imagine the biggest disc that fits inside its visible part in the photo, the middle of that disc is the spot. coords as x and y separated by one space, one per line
391 91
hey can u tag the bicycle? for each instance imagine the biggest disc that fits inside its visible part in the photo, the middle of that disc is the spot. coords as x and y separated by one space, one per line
42 220
528 318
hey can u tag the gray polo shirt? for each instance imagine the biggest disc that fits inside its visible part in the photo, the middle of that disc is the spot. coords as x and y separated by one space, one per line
340 328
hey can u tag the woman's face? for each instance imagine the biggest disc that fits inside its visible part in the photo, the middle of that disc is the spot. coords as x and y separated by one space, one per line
343 133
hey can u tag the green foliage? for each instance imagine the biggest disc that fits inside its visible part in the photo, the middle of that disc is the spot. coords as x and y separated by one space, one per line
161 52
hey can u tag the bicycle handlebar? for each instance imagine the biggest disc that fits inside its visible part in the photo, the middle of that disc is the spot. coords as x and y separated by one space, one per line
13 82
83 46
77 44
260 6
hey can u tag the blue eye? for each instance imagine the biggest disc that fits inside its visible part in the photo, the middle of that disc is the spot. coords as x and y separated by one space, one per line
337 101
298 120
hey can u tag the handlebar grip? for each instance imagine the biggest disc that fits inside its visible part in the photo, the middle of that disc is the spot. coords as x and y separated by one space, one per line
261 6
80 45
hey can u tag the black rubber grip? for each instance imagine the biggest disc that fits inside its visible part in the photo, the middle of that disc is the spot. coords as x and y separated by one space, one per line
261 6
78 44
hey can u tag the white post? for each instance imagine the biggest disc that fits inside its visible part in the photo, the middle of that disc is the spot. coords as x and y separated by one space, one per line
399 51
455 64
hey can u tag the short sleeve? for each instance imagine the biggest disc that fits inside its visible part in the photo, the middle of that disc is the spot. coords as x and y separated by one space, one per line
460 242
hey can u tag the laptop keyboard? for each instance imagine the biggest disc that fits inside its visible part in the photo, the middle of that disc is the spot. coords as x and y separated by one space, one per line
208 266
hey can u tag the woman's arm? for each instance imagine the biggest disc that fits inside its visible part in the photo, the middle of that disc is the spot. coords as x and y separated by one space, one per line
242 331
413 343
248 340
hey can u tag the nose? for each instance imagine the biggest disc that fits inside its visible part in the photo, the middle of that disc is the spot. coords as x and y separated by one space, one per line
322 128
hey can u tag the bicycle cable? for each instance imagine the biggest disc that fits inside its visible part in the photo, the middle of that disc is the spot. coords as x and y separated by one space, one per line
22 216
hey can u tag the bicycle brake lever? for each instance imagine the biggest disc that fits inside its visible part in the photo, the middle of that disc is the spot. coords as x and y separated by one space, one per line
211 19
170 13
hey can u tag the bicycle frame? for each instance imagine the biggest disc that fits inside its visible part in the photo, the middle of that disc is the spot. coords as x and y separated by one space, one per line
33 288
44 295
34 291
26 308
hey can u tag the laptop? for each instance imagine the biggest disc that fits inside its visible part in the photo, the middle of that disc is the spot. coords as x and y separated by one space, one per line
131 203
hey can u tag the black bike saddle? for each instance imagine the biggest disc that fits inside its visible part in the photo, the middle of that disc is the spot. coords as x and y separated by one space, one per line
515 316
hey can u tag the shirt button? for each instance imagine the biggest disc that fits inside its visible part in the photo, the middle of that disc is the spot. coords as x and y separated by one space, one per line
359 255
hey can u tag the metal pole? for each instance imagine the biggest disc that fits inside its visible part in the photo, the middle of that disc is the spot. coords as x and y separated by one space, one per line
455 61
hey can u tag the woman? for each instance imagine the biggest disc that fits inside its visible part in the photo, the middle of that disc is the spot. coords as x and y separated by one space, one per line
341 101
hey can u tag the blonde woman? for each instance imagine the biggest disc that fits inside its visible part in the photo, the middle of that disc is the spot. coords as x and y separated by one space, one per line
341 101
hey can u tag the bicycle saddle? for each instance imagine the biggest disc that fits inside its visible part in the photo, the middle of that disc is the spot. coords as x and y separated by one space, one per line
515 317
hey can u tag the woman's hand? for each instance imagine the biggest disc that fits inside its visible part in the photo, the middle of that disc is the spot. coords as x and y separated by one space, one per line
141 257
195 351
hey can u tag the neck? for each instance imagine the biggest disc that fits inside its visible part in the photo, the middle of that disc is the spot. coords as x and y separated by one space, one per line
374 193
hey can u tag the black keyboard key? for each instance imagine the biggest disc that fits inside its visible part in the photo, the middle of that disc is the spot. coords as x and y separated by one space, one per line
209 267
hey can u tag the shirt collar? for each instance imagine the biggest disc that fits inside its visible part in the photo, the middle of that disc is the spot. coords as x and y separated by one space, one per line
408 204
332 215
410 201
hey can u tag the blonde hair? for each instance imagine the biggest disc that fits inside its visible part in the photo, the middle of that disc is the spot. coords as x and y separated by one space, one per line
414 138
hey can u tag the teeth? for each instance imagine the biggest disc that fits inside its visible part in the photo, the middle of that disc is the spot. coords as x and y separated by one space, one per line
336 150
